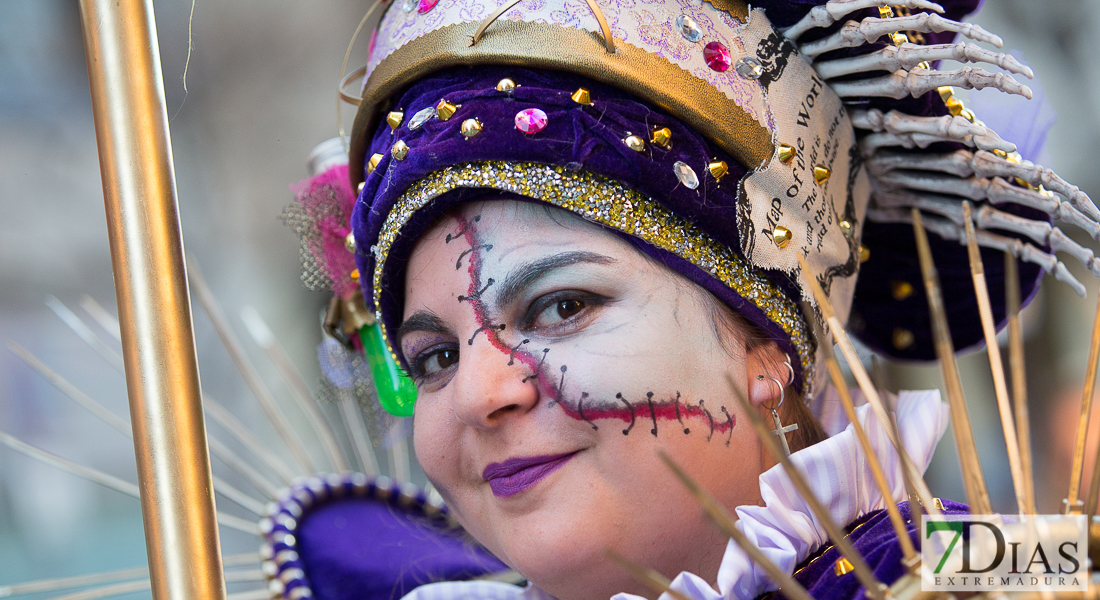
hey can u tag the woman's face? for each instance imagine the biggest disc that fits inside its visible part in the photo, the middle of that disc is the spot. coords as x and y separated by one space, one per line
553 360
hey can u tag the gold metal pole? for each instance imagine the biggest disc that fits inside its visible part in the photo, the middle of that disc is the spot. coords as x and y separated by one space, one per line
162 376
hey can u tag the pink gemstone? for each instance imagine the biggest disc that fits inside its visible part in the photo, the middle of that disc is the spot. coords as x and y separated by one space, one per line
717 56
426 5
531 120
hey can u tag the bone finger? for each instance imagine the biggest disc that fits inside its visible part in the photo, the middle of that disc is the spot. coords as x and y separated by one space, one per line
908 56
1068 214
900 123
987 164
957 163
988 217
834 10
990 141
921 81
1000 192
973 188
1060 242
869 30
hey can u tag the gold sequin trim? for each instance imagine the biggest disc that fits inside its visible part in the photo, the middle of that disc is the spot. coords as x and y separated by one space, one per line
613 205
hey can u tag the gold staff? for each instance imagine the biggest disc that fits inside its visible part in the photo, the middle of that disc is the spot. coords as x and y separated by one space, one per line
158 344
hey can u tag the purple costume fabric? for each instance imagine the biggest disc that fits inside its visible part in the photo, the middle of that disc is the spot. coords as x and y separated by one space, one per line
873 537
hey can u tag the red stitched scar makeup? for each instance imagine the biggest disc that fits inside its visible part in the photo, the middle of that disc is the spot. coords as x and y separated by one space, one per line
550 306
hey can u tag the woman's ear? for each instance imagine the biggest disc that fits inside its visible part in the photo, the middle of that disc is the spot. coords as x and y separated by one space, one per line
764 364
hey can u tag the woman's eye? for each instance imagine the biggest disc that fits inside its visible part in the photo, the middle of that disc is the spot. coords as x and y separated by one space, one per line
568 308
438 361
558 312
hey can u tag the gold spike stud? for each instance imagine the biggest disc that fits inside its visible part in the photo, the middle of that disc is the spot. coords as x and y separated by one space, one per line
946 92
1000 153
349 243
902 338
582 96
846 227
399 150
885 12
445 110
634 142
362 184
898 38
968 115
843 566
470 128
718 169
506 85
355 274
938 503
781 236
864 253
395 119
821 174
954 106
787 153
662 136
372 164
901 290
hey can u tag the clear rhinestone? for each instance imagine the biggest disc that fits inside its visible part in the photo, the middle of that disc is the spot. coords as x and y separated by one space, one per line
685 174
749 68
689 28
421 117
409 6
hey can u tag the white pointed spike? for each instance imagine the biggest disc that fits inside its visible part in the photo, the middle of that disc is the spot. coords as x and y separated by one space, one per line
869 30
901 123
826 14
908 56
948 230
917 82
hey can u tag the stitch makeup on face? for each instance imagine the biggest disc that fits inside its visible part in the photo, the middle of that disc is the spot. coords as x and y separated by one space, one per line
458 263
629 407
580 409
652 413
485 328
679 417
729 422
462 231
561 387
535 372
710 418
512 354
477 295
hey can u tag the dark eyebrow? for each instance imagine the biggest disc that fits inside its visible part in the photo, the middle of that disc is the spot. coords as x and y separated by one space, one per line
526 275
421 321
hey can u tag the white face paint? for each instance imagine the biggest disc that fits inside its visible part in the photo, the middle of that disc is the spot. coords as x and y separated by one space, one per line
553 359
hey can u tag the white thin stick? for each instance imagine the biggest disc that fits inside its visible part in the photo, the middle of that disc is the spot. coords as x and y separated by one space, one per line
84 332
242 499
245 576
116 589
265 338
241 433
71 390
248 371
61 583
109 481
106 320
257 594
219 449
359 436
399 452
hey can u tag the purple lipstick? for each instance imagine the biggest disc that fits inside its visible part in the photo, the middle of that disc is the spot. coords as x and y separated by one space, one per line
515 475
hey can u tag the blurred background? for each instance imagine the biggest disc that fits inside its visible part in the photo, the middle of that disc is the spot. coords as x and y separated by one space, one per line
260 94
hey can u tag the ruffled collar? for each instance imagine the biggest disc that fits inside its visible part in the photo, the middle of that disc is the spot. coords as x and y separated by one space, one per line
784 528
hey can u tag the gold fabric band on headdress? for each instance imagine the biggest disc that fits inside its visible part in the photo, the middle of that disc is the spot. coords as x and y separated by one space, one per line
547 46
613 205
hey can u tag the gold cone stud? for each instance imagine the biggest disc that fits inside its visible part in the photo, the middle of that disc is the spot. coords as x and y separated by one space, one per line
372 164
662 136
470 128
968 115
635 143
355 274
787 153
946 92
581 96
821 174
781 236
718 169
902 338
864 254
349 243
395 119
362 184
885 12
901 290
898 38
954 106
445 110
399 150
506 85
938 503
843 566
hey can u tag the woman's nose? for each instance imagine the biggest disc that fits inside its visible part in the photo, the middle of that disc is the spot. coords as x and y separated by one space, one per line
490 386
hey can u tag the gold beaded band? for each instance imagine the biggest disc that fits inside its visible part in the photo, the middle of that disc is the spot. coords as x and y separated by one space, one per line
613 205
